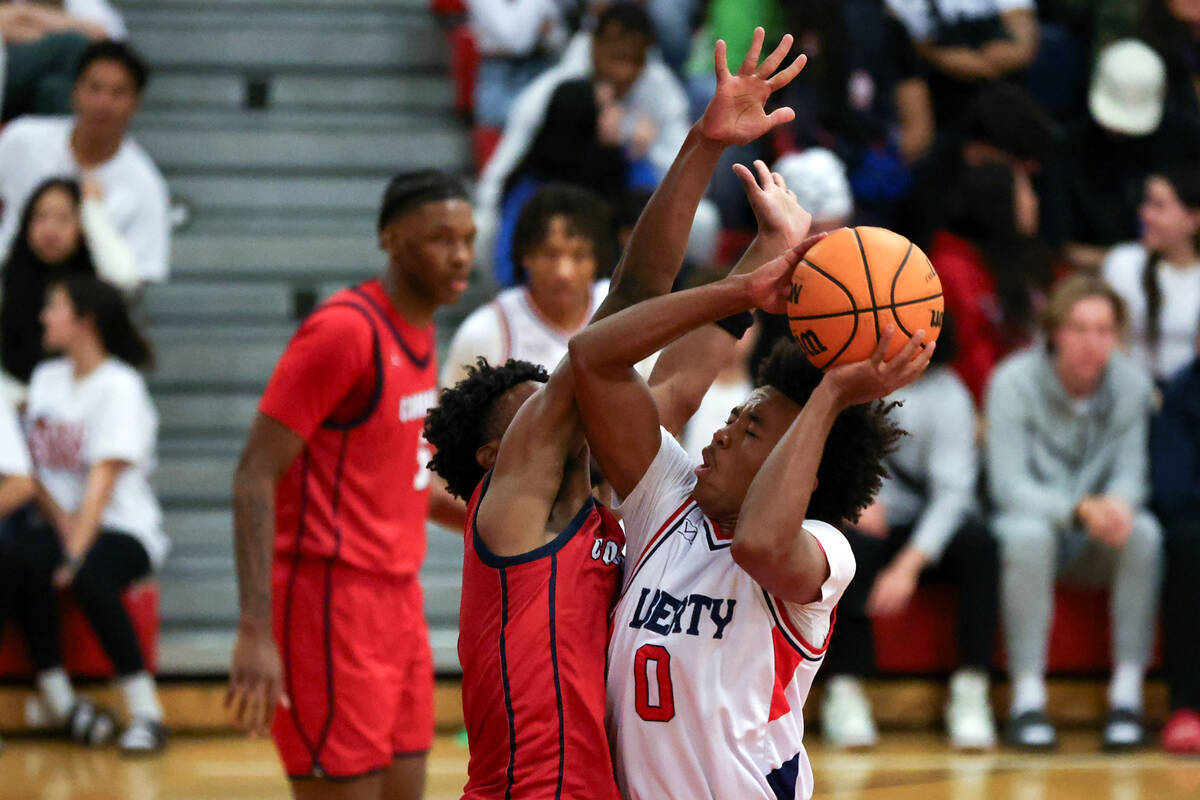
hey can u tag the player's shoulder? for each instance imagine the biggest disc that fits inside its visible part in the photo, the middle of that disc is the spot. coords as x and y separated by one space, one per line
35 128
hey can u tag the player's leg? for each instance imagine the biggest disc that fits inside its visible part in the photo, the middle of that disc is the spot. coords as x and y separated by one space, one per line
368 787
405 778
1028 552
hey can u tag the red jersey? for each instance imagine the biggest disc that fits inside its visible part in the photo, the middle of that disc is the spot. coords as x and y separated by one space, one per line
532 637
355 382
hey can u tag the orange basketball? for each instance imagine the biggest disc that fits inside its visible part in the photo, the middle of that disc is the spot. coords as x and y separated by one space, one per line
852 285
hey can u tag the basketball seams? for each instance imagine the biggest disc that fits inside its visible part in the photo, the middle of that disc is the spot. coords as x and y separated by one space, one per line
912 302
870 281
895 280
853 305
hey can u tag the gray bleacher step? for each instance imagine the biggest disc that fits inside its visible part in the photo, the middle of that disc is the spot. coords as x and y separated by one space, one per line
278 256
284 16
222 445
252 6
194 481
441 145
241 193
189 89
306 121
199 531
281 224
205 356
415 41
203 410
219 301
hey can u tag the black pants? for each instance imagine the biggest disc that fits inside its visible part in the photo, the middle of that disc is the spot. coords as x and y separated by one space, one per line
969 562
1181 609
29 554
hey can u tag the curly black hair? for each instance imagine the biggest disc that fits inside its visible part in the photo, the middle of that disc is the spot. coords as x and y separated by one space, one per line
461 421
851 470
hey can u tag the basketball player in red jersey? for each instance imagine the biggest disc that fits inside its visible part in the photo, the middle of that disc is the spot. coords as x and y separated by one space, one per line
542 561
330 501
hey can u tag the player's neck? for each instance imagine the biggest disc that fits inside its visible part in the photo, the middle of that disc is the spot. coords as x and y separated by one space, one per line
409 303
93 148
569 317
85 356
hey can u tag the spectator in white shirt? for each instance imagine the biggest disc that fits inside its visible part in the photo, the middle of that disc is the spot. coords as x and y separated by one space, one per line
92 430
517 41
1159 277
64 231
16 490
93 143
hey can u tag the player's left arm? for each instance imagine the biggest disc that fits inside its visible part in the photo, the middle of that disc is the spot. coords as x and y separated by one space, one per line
618 411
444 508
789 563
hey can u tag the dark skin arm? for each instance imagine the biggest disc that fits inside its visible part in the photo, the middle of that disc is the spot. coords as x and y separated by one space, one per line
540 476
16 491
256 677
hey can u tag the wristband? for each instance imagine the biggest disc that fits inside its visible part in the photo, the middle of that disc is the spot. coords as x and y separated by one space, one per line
737 324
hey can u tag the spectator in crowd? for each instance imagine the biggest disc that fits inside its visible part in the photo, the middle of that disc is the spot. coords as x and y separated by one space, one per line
993 270
93 144
1131 133
16 490
1003 123
924 525
640 114
729 388
517 41
1159 276
39 46
98 526
1172 27
1175 467
564 251
1067 426
64 231
966 44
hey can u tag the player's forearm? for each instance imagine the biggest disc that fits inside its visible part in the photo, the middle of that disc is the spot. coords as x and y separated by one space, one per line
445 509
659 240
1018 51
617 343
253 534
15 492
96 494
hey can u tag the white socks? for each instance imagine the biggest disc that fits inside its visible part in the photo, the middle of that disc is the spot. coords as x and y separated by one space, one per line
56 691
1028 693
1125 689
141 696
969 682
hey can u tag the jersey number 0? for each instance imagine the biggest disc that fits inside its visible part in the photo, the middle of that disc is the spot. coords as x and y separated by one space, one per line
654 696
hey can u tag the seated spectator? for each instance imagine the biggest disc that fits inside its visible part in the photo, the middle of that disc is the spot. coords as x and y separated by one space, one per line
1067 426
517 41
39 46
1104 162
564 251
61 228
993 270
16 491
98 527
638 113
968 44
1172 27
923 526
93 144
1175 468
1159 277
1003 123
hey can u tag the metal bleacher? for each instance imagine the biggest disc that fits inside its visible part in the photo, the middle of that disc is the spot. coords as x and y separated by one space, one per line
277 124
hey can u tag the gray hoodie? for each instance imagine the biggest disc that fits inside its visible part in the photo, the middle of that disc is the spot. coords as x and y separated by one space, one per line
1047 450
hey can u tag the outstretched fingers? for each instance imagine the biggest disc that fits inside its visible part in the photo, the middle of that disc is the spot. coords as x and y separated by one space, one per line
749 183
767 68
720 63
781 79
751 60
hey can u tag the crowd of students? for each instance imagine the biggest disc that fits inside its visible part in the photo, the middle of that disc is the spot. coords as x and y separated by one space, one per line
83 227
1047 157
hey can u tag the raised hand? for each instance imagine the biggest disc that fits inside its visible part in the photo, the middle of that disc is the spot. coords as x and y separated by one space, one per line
775 206
737 112
770 284
875 378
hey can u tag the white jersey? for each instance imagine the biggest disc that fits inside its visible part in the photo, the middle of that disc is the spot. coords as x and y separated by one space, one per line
512 327
105 416
707 673
14 455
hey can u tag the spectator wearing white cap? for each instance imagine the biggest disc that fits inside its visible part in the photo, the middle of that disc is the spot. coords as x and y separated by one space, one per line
1097 185
818 177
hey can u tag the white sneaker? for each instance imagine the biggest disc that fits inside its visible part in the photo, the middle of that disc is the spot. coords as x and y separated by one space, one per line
846 715
969 718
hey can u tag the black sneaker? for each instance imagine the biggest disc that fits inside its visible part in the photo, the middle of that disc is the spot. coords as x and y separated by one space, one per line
1031 730
1123 729
143 737
90 725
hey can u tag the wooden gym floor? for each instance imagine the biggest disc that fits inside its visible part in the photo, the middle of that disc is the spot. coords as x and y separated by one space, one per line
907 766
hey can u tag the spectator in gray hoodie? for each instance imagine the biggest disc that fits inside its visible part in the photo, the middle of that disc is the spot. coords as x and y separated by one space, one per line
1068 477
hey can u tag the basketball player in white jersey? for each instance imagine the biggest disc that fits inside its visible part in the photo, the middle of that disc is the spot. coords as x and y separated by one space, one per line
732 578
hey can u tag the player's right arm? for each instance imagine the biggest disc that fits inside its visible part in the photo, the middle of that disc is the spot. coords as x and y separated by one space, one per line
329 354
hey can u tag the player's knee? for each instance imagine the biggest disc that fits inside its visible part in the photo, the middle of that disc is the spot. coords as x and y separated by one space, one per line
1024 539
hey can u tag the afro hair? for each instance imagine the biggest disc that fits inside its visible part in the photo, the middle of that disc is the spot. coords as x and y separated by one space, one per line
459 424
851 470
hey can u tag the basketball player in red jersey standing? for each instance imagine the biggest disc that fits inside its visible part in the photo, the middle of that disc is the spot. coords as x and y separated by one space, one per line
542 565
330 501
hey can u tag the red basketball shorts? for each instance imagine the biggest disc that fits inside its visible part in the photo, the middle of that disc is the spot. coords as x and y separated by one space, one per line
357 669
